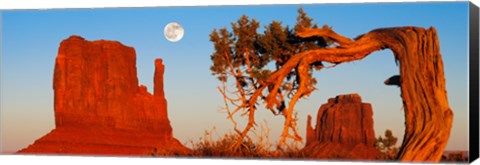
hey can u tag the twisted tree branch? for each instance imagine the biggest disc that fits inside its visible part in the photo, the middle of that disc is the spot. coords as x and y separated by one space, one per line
428 116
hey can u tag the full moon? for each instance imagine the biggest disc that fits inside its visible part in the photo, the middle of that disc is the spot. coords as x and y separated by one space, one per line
173 32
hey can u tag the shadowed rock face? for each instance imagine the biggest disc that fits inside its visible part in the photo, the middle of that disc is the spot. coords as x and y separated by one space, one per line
344 129
99 106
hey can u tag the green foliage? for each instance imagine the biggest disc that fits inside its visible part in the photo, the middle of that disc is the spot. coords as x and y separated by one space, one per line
303 20
243 55
222 45
386 146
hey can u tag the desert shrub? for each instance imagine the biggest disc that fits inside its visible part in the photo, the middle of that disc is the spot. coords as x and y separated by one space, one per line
386 146
208 146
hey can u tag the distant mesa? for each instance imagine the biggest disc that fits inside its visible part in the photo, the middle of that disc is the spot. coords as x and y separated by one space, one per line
100 109
343 130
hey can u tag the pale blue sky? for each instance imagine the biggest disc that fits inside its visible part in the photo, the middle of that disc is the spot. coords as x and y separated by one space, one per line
30 40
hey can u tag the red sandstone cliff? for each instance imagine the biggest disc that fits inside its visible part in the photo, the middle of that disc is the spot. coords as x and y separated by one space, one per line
99 106
343 130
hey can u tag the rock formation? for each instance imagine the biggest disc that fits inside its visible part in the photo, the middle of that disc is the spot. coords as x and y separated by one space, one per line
343 130
99 106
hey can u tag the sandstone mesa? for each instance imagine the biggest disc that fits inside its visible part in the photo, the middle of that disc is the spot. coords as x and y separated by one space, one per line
343 130
100 109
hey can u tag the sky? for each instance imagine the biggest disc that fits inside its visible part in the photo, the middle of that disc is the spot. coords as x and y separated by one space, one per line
30 41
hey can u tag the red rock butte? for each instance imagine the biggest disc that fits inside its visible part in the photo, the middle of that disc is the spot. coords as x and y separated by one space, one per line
343 130
100 109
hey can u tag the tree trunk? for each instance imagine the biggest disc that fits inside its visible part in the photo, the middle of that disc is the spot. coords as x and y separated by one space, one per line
428 118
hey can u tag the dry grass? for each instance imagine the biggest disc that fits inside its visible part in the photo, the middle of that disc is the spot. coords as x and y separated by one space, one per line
213 145
260 147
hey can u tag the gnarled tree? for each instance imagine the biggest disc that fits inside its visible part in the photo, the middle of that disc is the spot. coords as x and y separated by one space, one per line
422 82
427 113
242 57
